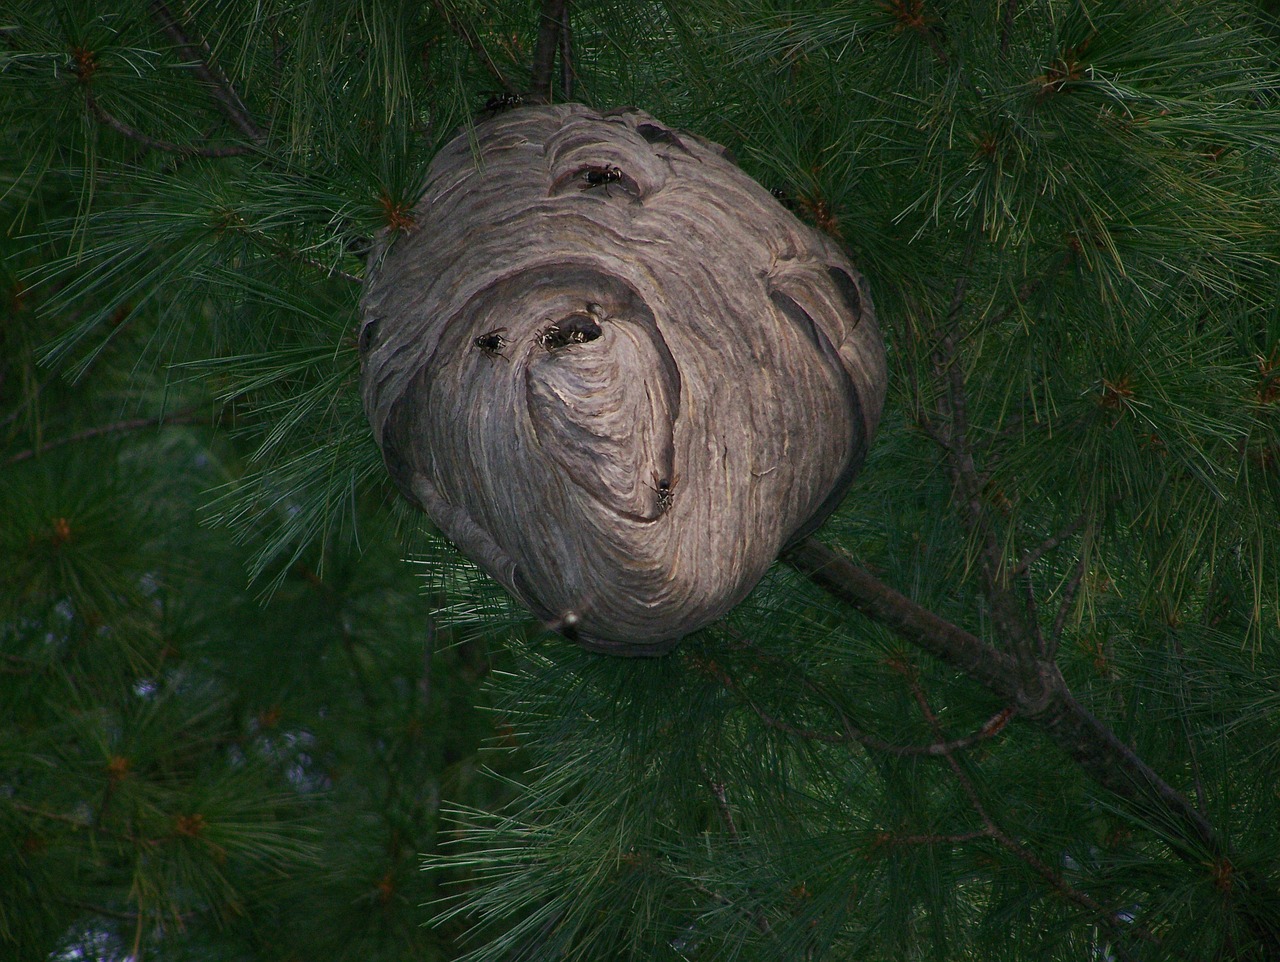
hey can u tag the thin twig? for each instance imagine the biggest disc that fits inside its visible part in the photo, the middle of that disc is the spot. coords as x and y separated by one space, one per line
51 816
1031 613
967 480
965 782
730 904
850 733
468 36
17 665
26 402
198 57
393 798
989 729
153 143
114 913
1064 605
232 221
758 918
282 249
888 839
992 830
722 806
914 339
566 55
117 427
95 824
1006 25
1028 289
1201 798
325 268
953 410
136 954
1035 554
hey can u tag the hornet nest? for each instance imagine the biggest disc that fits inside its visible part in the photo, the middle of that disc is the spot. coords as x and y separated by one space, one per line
615 371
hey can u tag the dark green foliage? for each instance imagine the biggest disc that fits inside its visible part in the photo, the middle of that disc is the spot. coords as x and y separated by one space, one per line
233 720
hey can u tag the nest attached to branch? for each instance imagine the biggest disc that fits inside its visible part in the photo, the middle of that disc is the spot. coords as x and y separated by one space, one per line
615 371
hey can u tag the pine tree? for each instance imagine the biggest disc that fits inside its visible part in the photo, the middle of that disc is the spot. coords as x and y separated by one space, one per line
1016 700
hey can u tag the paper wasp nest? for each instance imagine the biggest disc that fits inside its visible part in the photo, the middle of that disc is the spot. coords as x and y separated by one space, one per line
615 371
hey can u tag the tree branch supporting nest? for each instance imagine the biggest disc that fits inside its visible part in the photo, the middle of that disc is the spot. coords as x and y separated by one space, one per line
551 30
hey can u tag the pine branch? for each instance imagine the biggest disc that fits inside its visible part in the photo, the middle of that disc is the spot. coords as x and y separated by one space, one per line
199 58
1017 630
1069 592
17 665
153 143
992 830
72 820
186 416
832 571
550 25
1183 710
1052 707
728 903
469 37
1029 558
280 249
96 824
1016 620
1103 756
850 733
1007 14
884 839
567 74
756 913
108 913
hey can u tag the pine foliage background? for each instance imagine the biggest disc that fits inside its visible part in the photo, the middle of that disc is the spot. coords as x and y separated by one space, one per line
234 721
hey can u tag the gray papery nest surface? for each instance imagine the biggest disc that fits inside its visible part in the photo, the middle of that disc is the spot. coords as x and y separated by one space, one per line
615 371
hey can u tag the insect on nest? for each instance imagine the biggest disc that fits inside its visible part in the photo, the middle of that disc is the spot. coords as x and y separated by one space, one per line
491 343
576 328
665 488
601 176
